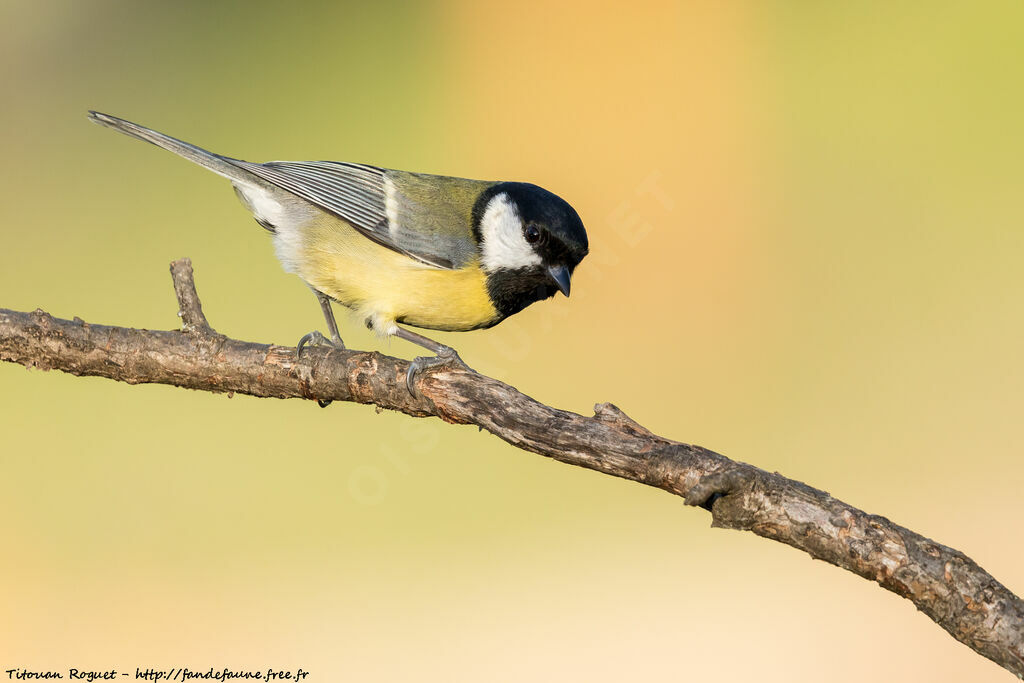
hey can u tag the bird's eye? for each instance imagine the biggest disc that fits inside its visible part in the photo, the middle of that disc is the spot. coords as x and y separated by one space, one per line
531 233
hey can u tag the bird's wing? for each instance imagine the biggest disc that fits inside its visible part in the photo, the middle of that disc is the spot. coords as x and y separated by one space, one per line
428 212
419 216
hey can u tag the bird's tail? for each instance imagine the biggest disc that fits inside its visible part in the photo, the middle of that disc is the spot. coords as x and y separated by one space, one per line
216 163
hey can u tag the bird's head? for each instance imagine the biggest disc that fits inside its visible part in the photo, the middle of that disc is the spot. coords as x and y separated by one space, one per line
530 243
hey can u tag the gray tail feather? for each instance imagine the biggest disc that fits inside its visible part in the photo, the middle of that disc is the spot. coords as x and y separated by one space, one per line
216 163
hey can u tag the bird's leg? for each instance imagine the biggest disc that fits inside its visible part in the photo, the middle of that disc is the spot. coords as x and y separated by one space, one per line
314 338
446 356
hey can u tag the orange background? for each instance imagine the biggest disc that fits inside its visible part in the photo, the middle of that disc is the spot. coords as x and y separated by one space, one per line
806 249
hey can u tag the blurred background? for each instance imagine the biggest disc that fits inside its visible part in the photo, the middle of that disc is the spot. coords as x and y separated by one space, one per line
806 247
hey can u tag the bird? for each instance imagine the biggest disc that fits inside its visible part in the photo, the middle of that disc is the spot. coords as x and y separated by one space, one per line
401 249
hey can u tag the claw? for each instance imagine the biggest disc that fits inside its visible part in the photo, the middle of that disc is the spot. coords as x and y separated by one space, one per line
446 357
314 338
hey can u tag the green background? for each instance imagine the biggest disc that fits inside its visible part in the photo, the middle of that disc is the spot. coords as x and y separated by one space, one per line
805 224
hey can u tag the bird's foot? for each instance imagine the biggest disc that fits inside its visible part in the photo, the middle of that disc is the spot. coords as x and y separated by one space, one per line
314 338
446 357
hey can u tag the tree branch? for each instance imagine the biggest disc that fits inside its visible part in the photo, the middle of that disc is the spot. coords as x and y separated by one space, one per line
942 582
190 310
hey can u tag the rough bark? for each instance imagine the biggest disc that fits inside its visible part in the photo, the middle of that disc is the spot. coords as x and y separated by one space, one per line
942 582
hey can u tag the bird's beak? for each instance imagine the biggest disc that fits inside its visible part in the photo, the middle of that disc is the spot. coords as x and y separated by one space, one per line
560 274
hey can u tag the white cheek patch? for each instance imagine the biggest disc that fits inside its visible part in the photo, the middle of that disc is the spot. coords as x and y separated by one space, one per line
502 243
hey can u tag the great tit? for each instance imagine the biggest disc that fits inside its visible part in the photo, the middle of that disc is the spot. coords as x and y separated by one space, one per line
428 251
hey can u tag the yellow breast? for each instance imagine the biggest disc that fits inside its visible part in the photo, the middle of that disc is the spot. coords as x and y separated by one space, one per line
384 285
